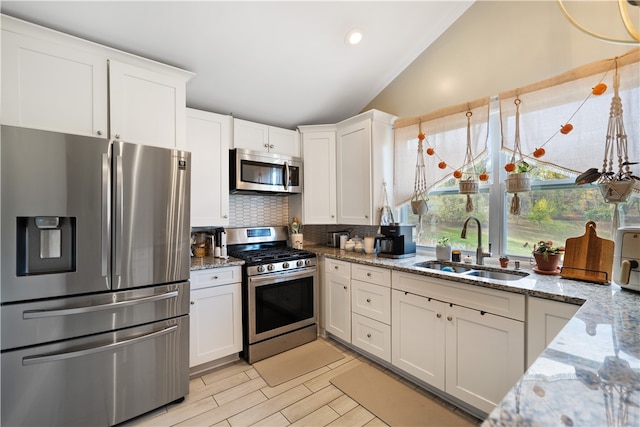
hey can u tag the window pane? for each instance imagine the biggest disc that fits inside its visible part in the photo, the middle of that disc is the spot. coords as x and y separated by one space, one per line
560 213
445 219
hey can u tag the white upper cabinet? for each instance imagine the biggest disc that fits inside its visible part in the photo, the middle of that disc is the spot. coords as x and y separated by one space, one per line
208 139
52 87
146 107
53 81
319 159
364 165
271 139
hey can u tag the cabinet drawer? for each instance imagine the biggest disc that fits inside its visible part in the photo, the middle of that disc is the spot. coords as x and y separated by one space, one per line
371 336
215 277
494 301
375 275
338 268
372 301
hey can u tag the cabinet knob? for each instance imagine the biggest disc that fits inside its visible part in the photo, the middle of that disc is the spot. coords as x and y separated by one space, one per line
368 274
214 277
368 299
225 216
333 216
266 145
193 302
99 132
117 136
335 266
366 216
368 335
438 315
449 318
345 288
270 145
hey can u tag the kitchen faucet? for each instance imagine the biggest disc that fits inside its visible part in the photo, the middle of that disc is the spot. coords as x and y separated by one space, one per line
480 253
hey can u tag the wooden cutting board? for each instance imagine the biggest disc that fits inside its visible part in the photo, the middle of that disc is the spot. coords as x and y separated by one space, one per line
588 257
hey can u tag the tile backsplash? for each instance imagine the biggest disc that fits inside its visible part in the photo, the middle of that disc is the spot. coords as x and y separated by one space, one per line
248 210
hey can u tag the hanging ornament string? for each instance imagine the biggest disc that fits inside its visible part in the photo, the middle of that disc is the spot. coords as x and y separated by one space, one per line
468 182
419 200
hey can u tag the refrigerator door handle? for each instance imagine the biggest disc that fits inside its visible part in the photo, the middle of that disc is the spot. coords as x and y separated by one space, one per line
37 314
32 360
119 213
104 231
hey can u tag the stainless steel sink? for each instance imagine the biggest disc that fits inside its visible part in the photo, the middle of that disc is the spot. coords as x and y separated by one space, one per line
497 275
442 266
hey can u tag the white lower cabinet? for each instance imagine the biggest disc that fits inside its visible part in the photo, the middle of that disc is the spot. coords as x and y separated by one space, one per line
469 353
545 318
215 314
371 336
337 291
418 336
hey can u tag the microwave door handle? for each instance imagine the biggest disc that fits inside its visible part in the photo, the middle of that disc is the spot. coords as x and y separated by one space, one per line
286 175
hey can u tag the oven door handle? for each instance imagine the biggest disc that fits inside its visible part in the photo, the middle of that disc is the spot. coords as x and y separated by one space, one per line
275 278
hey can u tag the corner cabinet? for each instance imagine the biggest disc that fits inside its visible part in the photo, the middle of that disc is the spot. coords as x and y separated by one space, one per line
56 82
364 164
216 314
270 139
318 201
208 139
545 319
465 340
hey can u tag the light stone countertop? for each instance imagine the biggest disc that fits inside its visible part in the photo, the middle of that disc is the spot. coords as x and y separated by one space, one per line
209 261
589 375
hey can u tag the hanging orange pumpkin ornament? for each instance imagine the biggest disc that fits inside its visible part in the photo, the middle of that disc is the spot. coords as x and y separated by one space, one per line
457 174
566 129
539 152
599 89
431 151
442 165
421 136
510 167
483 177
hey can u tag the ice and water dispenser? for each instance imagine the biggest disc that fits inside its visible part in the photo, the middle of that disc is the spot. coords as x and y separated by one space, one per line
46 245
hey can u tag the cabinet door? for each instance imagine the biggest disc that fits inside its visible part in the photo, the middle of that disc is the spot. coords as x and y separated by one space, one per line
319 157
484 356
216 323
146 107
338 306
418 341
354 174
250 135
545 318
284 141
208 137
53 87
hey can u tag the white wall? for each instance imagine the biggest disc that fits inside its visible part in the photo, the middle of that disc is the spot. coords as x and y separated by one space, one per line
501 45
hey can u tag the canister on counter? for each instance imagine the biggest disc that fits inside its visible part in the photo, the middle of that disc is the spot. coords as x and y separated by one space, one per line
456 256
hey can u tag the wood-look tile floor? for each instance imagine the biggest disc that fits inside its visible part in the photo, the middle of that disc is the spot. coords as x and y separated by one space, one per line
236 395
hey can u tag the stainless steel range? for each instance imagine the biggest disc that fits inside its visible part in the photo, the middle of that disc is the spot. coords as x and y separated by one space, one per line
279 291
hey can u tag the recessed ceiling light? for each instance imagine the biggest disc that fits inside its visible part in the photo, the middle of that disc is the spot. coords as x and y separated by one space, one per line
353 37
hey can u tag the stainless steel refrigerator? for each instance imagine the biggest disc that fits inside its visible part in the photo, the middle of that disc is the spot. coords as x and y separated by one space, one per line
94 287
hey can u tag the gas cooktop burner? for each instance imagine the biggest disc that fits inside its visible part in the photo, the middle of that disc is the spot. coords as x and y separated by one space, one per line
271 254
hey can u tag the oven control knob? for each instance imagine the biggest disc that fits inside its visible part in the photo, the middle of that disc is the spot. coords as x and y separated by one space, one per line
270 267
308 262
260 268
285 265
300 263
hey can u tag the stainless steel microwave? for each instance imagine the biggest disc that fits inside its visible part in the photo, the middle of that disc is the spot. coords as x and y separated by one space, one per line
257 172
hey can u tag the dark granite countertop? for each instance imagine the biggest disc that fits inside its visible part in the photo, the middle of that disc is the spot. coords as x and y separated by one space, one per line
589 375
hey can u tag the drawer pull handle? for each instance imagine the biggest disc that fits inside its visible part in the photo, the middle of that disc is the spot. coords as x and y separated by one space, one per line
449 318
482 313
368 299
368 335
215 277
193 303
438 315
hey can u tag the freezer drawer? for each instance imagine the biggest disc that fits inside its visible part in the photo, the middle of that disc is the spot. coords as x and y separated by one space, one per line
40 322
102 380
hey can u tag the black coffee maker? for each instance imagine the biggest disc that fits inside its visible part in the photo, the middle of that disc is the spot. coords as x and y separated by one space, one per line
398 241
